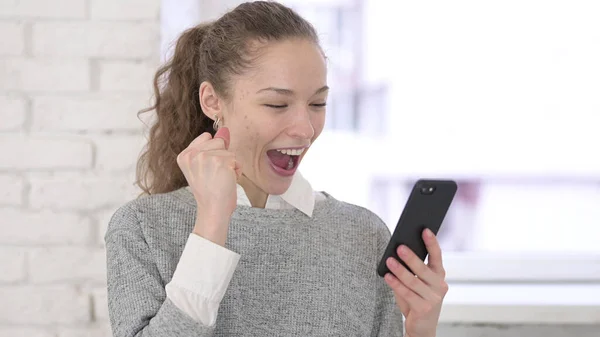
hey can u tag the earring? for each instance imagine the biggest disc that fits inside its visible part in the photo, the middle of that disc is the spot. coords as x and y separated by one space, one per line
216 123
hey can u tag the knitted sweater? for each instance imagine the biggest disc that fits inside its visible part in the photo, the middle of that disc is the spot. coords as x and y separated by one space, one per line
297 275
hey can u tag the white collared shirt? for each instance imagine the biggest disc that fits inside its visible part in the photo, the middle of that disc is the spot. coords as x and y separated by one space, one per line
205 268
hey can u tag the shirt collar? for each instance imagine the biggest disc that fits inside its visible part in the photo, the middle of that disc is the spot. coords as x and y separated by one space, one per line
299 195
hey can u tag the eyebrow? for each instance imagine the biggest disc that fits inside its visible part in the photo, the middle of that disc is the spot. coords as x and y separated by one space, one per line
289 92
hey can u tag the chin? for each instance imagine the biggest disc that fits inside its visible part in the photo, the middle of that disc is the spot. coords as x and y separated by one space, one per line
275 180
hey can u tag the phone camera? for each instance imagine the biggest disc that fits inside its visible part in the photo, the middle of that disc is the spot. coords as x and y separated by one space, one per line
427 190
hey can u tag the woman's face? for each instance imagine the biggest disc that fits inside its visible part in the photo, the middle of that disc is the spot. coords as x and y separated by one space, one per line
276 111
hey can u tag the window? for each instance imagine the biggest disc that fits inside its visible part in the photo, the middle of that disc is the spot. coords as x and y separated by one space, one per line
501 96
354 104
506 109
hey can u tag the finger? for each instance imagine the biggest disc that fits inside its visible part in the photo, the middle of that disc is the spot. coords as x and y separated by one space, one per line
223 133
402 293
409 280
196 143
238 169
435 252
192 155
211 144
393 283
416 264
205 142
204 155
204 137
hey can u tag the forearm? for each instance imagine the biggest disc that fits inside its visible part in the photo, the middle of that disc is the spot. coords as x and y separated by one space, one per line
212 225
201 279
138 303
170 321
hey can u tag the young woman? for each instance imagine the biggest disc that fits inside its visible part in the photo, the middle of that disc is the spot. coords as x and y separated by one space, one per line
230 239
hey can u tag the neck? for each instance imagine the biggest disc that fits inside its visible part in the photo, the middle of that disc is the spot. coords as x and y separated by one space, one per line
257 197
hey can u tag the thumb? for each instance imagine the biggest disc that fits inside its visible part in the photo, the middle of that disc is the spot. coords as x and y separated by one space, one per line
223 133
238 170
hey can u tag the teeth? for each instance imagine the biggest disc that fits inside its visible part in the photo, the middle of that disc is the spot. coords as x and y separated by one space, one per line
290 164
292 152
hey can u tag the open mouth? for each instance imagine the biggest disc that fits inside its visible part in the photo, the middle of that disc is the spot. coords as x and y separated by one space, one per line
285 161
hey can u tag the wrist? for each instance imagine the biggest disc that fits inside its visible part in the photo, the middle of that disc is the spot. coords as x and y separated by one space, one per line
212 226
212 213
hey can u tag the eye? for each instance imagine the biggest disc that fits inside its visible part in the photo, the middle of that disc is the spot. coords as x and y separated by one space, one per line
276 106
319 105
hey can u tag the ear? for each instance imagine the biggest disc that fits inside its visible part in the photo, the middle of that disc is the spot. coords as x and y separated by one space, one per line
210 102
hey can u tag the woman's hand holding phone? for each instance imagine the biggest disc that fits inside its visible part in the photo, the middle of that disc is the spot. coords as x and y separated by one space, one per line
419 295
211 172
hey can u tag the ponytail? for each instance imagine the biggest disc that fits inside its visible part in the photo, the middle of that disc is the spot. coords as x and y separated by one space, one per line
210 52
179 117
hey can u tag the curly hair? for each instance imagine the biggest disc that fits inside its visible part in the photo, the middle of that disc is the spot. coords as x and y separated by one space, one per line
210 52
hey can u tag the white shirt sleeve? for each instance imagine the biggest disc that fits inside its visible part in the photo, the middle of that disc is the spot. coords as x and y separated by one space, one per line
201 279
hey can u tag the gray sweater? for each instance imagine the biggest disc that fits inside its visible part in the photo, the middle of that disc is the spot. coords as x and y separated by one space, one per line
297 275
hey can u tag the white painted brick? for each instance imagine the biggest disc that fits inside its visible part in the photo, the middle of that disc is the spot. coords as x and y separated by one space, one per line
12 265
12 190
96 39
84 191
26 227
127 76
124 9
98 329
12 112
44 305
22 152
89 113
118 153
45 75
25 332
67 264
43 9
100 304
13 38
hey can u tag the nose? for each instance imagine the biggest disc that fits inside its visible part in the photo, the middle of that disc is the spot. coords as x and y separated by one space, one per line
301 125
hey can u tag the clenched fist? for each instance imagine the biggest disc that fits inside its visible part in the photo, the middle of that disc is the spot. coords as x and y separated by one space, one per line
211 172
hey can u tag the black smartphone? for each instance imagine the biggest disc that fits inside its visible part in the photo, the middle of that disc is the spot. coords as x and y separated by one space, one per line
427 205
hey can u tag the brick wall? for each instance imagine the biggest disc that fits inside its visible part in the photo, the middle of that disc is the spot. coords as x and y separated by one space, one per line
73 74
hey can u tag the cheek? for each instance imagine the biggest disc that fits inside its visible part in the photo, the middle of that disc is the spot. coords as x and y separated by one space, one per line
248 142
318 123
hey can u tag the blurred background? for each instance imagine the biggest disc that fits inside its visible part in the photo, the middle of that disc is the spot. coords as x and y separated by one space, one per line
503 97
